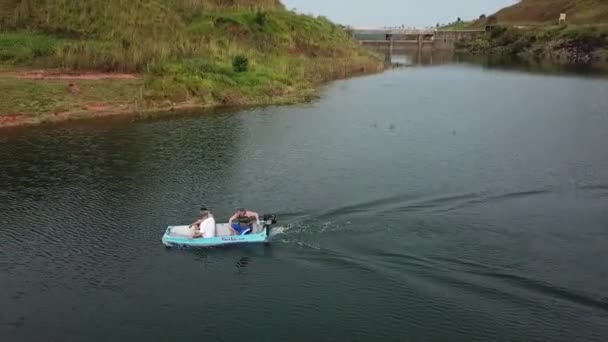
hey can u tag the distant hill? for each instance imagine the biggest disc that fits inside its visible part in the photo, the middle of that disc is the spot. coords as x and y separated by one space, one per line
548 11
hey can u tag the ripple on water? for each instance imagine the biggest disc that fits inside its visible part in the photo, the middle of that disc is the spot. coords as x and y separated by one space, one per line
548 290
416 233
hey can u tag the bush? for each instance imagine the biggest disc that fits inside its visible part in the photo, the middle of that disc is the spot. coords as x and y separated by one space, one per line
240 63
260 18
512 41
590 36
496 31
479 45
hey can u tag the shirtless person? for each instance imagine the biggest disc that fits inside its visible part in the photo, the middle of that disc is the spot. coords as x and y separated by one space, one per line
242 221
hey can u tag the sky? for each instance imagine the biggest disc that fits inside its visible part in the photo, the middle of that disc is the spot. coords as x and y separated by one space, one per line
378 13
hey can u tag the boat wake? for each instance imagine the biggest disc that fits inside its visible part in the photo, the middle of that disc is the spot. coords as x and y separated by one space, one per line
276 231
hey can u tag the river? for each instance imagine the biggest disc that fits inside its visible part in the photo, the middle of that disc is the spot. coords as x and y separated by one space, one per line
449 202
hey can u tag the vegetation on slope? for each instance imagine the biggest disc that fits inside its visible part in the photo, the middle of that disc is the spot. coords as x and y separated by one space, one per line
548 11
185 49
571 44
456 25
530 29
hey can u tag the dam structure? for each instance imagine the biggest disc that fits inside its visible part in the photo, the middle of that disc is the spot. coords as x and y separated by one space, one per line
401 38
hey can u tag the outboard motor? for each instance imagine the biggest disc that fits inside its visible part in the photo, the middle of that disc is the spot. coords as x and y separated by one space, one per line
269 219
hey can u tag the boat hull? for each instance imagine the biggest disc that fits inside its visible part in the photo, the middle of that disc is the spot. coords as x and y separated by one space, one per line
170 240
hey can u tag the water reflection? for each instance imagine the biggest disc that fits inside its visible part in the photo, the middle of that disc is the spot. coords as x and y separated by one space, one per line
428 57
449 190
243 263
412 57
83 183
510 63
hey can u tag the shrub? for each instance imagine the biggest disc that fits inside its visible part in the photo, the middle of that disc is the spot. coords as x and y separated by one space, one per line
260 18
480 44
198 66
219 22
513 41
240 63
496 31
590 36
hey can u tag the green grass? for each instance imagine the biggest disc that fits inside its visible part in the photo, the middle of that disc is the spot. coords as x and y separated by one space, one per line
33 97
100 34
541 40
184 48
457 25
586 34
25 47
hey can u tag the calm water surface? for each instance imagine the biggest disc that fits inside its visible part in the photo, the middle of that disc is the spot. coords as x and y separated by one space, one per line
440 203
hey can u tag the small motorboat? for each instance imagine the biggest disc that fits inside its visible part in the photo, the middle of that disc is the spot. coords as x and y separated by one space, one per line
180 236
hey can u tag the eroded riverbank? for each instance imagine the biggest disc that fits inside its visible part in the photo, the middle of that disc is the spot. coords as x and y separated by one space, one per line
40 96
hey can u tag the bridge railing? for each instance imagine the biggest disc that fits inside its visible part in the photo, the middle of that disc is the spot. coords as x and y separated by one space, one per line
395 30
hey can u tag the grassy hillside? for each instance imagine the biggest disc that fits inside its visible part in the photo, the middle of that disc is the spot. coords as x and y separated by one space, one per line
120 35
564 44
457 25
186 50
529 29
534 12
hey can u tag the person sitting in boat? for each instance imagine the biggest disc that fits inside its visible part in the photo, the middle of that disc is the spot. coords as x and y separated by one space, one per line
204 227
242 221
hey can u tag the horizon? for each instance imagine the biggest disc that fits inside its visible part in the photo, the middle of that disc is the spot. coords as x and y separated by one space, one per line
362 13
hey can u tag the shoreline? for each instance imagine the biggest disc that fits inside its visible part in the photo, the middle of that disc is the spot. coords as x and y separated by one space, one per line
597 59
97 109
185 56
574 45
24 120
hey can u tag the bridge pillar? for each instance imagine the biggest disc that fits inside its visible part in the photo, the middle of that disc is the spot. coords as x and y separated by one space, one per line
420 41
389 57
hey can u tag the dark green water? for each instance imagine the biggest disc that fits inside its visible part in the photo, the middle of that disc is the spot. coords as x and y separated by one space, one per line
443 203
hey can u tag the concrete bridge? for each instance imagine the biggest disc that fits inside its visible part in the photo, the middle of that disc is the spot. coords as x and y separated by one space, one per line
390 38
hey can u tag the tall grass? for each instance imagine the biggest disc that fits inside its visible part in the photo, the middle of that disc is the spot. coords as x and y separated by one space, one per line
185 48
132 35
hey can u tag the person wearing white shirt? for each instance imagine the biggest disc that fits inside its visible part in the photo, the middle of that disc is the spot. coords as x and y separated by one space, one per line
204 227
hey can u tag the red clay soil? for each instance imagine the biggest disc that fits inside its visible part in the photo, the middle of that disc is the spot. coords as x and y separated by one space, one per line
100 107
59 75
20 119
93 110
14 119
